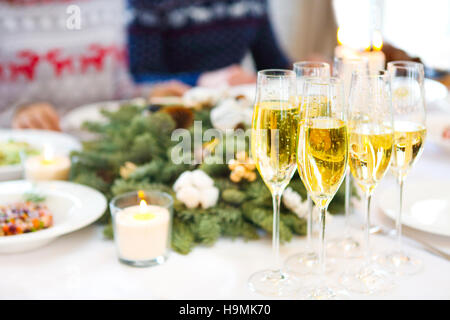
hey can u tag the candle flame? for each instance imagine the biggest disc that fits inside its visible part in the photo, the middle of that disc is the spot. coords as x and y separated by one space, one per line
339 36
143 206
377 40
359 40
141 194
49 154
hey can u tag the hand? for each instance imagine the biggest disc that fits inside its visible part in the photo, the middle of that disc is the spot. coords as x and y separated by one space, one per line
393 54
233 75
172 88
37 116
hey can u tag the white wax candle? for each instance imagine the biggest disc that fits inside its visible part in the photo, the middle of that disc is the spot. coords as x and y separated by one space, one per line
142 236
345 52
39 168
376 60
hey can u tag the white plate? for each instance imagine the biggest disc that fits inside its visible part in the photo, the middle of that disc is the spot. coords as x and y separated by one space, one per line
426 205
434 91
60 142
73 206
436 123
74 119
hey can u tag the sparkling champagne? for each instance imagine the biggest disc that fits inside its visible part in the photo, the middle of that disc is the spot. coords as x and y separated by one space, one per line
274 141
370 150
322 157
409 138
316 106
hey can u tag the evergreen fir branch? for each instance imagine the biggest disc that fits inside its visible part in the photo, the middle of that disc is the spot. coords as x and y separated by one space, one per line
206 228
182 237
233 196
122 186
91 179
108 231
214 169
294 223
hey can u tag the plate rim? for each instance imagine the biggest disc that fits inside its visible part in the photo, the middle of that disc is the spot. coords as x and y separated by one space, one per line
382 208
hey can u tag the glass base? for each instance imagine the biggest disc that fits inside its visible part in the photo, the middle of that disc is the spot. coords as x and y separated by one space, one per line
367 279
401 263
325 290
305 263
347 248
144 263
273 283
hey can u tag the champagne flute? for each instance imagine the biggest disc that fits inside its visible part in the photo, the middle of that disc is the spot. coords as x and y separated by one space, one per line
274 148
407 81
322 158
346 245
371 137
306 262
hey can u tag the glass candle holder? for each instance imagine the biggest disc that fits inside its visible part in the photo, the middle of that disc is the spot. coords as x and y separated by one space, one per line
142 223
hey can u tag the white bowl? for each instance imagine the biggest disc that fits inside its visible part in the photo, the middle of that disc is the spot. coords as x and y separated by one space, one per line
73 206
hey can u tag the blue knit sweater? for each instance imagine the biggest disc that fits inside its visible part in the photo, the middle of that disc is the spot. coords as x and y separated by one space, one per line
180 39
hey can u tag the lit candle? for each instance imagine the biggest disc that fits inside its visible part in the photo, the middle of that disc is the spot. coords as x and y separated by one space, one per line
375 57
343 51
47 166
142 232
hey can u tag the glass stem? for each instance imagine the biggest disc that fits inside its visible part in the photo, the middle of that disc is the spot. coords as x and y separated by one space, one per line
348 193
276 197
367 231
398 222
309 222
322 251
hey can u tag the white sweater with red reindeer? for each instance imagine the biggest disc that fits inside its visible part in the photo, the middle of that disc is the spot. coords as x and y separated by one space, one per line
44 56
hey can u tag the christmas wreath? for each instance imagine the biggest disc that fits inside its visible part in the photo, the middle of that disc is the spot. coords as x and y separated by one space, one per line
132 151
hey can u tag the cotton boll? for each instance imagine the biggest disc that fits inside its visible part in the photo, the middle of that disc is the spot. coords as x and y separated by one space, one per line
231 112
201 180
185 179
209 197
291 199
189 196
302 210
194 188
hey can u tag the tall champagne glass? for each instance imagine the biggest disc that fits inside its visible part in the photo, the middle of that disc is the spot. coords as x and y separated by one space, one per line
407 81
306 261
322 158
371 137
346 245
274 147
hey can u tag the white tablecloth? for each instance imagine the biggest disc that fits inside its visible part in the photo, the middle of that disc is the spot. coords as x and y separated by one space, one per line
84 265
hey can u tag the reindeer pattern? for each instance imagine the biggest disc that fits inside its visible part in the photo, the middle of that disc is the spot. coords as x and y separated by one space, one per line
27 61
27 68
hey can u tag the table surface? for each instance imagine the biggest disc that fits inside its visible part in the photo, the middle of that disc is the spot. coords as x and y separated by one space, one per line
83 265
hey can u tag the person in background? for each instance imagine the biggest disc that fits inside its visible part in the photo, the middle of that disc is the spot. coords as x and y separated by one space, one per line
168 46
200 42
48 67
172 45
